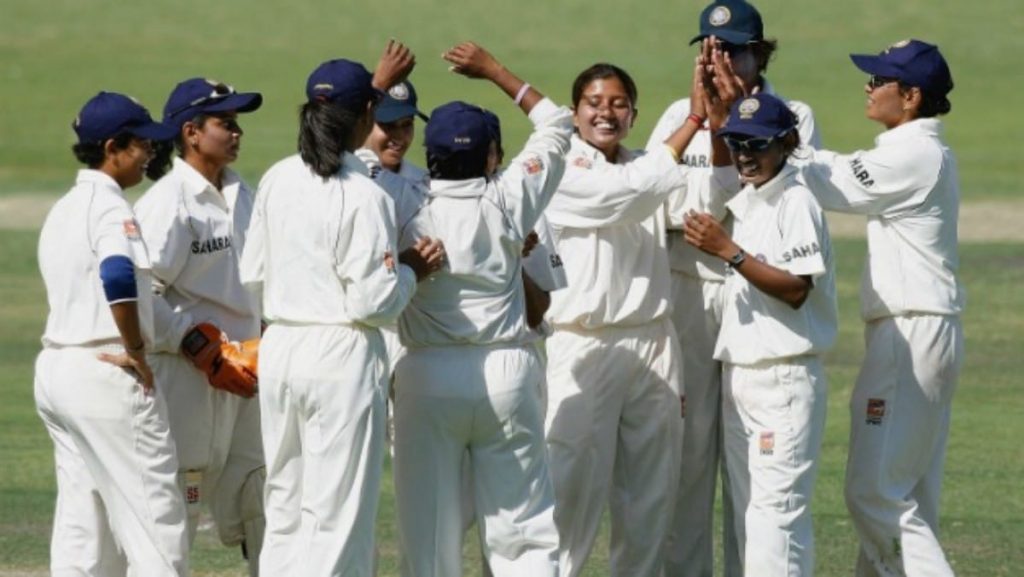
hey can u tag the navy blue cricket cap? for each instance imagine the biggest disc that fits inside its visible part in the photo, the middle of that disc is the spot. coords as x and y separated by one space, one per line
457 127
196 96
108 114
494 125
913 63
733 21
398 102
343 81
761 115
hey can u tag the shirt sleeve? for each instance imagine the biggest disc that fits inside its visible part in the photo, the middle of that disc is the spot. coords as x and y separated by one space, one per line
544 265
116 231
806 126
377 288
597 194
804 232
527 184
251 266
882 181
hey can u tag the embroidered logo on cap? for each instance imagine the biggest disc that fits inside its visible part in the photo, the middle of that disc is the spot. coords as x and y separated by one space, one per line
323 86
720 16
748 107
399 92
897 45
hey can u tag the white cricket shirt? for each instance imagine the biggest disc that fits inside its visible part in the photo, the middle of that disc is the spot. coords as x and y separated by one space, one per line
610 233
700 194
90 223
478 297
195 235
908 187
325 250
780 224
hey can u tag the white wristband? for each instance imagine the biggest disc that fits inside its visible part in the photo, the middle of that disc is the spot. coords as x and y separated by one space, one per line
522 93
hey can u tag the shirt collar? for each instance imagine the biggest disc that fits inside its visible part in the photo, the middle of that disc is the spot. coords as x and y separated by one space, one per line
765 194
469 188
99 178
197 184
352 162
918 127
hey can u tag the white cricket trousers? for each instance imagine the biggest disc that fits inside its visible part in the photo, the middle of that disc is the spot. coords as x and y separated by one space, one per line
322 391
899 423
484 399
774 422
614 433
119 511
217 435
697 316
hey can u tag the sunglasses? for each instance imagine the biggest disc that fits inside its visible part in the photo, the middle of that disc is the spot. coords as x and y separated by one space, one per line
879 81
752 144
220 91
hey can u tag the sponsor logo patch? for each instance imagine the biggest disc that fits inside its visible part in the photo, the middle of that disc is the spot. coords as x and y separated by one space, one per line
767 443
533 165
861 173
131 229
875 411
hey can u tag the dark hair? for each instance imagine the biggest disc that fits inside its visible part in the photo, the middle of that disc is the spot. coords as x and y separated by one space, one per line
92 154
932 105
763 51
600 71
179 140
325 133
461 165
160 164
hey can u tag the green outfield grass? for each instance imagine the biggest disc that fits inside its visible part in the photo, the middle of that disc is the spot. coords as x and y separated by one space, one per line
983 508
55 54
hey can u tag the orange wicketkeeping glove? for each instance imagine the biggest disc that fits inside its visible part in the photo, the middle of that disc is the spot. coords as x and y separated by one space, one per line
228 366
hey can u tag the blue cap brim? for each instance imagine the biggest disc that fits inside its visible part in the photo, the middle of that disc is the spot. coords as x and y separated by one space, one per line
240 102
730 36
875 65
154 131
387 114
748 130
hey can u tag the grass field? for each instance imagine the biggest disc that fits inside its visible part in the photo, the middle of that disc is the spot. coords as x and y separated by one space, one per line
56 54
983 518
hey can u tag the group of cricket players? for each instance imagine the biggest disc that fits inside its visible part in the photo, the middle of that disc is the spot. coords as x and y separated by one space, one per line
535 337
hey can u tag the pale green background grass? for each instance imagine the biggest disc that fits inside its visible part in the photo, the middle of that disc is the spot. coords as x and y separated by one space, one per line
55 54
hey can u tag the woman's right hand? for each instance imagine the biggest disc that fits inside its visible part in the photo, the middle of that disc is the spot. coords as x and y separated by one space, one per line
134 362
471 60
425 257
394 65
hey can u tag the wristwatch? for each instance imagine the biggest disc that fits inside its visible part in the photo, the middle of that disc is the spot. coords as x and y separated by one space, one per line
737 259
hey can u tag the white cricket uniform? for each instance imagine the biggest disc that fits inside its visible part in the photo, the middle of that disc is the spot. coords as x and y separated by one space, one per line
773 381
697 301
195 235
414 174
324 252
613 420
472 377
911 301
118 505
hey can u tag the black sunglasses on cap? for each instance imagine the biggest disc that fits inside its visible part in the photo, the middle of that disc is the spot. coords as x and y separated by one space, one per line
752 143
219 92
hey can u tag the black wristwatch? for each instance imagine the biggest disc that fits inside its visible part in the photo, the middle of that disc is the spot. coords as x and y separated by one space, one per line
737 259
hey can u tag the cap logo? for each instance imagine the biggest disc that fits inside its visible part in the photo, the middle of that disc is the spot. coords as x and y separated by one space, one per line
748 107
323 86
720 16
898 45
463 140
399 92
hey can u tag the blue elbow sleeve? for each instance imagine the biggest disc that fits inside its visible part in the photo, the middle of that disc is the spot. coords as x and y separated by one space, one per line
118 276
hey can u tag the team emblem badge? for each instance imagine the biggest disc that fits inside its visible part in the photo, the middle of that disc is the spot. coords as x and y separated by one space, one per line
875 412
767 443
748 107
898 45
533 166
720 16
399 91
131 229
